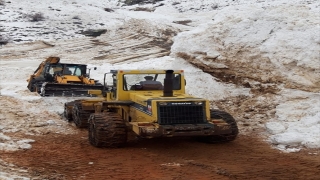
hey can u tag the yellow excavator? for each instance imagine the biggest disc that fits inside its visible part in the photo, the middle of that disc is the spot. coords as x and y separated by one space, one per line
53 78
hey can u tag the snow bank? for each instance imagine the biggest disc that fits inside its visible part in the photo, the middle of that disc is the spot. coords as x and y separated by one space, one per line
277 43
7 144
282 38
298 120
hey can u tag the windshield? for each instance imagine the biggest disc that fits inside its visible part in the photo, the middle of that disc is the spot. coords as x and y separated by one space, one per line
72 70
63 69
55 69
148 82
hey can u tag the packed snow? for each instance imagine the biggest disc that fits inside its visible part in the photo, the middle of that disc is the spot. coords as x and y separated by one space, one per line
275 42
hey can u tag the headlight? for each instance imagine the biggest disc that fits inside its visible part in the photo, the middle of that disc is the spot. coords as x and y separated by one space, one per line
198 103
163 103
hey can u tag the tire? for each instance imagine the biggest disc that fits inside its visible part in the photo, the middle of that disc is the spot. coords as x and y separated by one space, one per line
217 114
107 130
79 116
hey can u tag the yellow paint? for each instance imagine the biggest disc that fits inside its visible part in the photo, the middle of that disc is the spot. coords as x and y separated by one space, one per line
135 115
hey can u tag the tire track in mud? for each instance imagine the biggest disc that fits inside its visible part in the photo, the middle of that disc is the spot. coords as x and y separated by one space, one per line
116 46
134 47
72 157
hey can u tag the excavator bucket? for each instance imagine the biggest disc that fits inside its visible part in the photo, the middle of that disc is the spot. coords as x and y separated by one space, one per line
72 90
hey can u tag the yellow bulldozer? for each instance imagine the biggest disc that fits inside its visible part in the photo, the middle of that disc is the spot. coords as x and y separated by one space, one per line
151 103
53 78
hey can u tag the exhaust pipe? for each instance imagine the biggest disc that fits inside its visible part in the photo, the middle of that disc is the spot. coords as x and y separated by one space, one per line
168 84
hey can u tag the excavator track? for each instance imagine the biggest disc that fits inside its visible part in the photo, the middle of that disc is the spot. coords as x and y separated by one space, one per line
79 116
70 90
107 130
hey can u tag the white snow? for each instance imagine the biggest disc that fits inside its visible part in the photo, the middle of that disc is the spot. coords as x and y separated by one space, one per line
11 145
279 39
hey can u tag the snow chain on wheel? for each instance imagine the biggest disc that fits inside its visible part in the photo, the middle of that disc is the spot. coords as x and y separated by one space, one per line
67 113
79 116
217 114
107 130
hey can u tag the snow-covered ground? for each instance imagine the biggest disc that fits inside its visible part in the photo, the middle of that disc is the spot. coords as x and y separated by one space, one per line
274 43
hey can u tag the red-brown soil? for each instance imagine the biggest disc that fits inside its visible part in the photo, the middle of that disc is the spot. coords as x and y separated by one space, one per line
56 156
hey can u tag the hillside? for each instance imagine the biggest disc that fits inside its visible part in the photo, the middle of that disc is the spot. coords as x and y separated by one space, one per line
257 60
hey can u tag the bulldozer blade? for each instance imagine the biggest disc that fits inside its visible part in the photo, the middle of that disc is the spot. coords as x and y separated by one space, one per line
72 90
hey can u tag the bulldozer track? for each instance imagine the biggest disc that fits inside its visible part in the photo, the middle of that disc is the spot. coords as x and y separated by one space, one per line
107 130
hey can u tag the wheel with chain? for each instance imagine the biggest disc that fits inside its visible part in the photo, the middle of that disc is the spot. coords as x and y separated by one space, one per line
68 107
67 112
107 130
217 114
79 116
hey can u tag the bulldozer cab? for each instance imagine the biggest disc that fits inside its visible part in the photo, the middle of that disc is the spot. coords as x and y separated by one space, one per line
53 78
66 69
75 70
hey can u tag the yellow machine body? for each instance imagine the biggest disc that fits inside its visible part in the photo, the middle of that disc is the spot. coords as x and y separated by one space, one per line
53 78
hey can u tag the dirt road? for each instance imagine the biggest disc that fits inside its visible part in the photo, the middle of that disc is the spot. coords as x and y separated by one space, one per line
56 156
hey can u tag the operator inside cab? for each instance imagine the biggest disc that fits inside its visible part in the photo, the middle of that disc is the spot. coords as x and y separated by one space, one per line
67 71
149 80
55 70
150 84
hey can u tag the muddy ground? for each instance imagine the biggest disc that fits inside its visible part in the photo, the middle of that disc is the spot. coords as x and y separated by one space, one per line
56 156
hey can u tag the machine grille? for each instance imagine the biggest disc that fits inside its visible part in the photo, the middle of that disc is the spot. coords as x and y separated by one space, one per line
181 113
